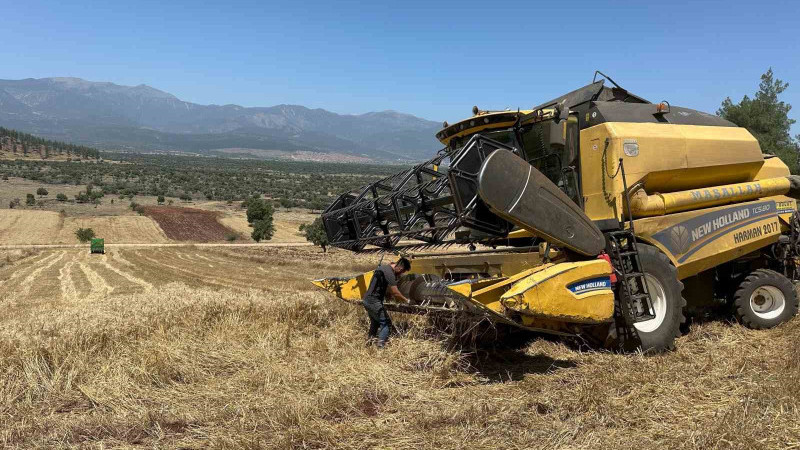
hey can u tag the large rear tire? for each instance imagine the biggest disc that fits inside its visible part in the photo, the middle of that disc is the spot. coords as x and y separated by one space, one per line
764 299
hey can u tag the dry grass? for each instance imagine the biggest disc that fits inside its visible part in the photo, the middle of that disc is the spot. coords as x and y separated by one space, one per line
28 227
232 348
19 187
48 227
55 222
287 224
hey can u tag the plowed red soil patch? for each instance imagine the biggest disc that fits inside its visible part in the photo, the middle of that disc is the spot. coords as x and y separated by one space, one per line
188 224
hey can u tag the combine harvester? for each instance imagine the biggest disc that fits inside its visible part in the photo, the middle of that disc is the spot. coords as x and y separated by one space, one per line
602 215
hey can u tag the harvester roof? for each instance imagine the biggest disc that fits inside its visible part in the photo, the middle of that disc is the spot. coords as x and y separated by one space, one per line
598 104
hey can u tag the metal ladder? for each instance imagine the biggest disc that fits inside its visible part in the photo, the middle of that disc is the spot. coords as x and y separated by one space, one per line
625 257
633 297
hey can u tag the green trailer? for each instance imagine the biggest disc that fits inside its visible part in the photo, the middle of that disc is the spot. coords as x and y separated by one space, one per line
97 246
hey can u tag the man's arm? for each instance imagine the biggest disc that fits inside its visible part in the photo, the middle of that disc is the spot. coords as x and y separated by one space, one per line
394 292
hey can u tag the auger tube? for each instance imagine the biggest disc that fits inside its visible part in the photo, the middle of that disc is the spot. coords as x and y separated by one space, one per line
644 205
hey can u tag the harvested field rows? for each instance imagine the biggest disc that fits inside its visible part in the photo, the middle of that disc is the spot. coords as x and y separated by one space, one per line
73 273
188 347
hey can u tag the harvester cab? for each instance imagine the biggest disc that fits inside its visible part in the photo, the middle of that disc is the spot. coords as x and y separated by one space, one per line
599 212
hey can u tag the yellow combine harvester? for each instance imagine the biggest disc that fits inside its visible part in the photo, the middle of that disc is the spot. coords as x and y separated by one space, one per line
602 215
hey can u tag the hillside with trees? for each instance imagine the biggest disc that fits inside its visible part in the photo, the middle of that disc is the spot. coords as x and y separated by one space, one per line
15 144
309 185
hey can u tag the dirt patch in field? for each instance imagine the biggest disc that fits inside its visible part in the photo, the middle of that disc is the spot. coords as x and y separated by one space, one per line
188 224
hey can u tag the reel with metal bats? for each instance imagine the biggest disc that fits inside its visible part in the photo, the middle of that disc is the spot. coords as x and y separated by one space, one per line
486 191
426 203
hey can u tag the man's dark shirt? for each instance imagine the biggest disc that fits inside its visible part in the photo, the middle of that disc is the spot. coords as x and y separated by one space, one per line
382 279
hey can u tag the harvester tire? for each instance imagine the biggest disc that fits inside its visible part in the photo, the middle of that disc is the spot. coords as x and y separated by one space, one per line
665 289
764 299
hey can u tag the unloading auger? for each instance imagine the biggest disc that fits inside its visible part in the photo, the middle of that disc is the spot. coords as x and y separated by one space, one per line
601 215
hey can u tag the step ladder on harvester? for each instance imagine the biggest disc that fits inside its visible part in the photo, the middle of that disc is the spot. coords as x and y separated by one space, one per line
632 295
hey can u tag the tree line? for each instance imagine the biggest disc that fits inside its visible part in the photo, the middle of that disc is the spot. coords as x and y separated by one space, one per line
766 117
287 184
18 142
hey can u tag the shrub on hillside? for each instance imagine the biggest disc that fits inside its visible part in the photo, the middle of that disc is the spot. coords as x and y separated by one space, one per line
258 209
315 233
263 230
137 207
41 192
61 197
84 234
82 197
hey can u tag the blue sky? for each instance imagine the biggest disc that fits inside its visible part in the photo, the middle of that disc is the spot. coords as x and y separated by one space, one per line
431 59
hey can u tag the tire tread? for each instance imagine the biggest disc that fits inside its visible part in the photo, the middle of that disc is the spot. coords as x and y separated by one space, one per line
741 298
674 274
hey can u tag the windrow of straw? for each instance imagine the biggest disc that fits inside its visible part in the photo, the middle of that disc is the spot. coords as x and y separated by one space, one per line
184 366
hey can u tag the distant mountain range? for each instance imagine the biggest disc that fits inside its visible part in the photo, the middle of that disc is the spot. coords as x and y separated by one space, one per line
141 118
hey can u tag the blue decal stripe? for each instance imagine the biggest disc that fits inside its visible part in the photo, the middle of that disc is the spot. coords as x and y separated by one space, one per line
724 233
604 288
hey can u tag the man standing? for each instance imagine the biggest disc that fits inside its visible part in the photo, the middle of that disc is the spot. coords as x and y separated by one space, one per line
384 278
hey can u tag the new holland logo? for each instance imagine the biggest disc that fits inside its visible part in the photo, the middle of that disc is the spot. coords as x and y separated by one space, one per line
595 284
680 238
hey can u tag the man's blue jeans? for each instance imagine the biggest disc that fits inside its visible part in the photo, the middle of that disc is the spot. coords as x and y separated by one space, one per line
380 324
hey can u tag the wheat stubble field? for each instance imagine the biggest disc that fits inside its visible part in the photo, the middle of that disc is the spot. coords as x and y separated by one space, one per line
190 347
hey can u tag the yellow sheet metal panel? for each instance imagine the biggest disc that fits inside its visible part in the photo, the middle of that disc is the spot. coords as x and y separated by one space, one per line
773 167
599 161
347 288
485 120
487 264
664 158
489 295
702 239
678 157
658 149
578 292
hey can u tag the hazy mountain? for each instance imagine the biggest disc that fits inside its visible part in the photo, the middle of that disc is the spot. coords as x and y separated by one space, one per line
110 116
